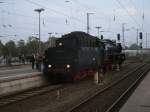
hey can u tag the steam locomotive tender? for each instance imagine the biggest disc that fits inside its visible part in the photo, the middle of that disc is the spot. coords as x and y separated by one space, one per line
75 56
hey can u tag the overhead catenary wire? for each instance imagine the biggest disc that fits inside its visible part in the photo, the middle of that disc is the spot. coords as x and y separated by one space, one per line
55 11
21 15
16 14
58 12
141 13
139 25
122 6
13 26
92 9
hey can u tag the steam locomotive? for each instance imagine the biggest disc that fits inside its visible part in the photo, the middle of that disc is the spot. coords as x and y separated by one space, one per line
78 55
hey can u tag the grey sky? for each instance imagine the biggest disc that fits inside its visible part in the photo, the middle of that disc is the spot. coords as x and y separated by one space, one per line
18 17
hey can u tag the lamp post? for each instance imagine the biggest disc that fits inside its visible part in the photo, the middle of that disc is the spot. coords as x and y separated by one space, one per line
39 11
88 27
123 38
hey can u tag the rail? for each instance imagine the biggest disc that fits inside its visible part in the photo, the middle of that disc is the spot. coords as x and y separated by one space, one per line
117 103
84 106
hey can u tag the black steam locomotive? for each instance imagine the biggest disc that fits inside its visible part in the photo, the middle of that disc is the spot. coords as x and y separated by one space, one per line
78 54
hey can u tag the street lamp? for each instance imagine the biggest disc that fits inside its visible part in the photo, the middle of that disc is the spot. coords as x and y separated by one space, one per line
39 11
88 27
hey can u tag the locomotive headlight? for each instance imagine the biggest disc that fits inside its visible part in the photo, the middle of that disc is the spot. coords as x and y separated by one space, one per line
49 66
60 44
68 66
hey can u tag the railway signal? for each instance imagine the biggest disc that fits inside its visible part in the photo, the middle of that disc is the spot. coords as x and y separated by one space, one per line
118 37
102 37
141 37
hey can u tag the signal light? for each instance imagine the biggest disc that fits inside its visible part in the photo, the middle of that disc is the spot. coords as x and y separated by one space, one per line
102 37
141 35
118 37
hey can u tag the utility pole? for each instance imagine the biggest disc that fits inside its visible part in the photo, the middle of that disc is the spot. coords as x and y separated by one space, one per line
50 34
123 38
88 27
0 3
50 39
98 28
39 11
146 39
137 38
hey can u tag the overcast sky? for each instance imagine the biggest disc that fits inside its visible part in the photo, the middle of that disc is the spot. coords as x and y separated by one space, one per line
18 20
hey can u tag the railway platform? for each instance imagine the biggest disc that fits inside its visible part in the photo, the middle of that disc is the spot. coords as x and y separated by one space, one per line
139 101
2 65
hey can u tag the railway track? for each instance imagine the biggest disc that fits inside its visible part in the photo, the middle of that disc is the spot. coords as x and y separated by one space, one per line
115 107
22 96
108 99
13 101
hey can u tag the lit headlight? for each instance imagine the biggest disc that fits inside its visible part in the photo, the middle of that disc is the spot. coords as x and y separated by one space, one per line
67 66
60 44
49 66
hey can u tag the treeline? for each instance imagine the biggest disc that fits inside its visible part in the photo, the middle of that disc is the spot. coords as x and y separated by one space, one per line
21 48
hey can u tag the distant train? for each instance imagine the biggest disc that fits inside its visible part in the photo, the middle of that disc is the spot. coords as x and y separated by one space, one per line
78 55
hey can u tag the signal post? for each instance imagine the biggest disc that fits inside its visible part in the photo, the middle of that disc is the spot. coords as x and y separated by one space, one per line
118 39
141 48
